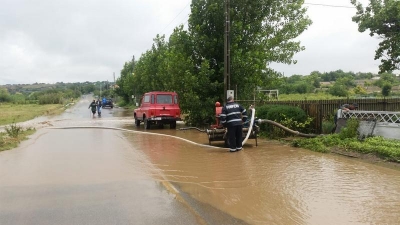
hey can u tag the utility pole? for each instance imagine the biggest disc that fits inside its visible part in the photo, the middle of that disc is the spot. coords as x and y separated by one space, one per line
227 61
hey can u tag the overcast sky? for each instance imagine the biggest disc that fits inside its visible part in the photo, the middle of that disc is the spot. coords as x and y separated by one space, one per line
50 41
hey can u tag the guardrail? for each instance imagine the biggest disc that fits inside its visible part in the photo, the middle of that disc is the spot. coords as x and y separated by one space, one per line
378 116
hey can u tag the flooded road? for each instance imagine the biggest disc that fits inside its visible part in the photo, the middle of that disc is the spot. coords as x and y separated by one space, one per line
274 183
134 176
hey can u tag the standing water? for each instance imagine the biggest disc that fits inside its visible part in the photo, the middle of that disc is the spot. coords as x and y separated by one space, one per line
274 183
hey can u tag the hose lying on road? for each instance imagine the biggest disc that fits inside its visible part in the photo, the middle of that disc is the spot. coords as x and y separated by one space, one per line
133 131
192 128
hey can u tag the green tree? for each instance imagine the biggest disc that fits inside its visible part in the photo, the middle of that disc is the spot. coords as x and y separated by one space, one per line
386 78
192 62
125 84
386 89
4 95
382 18
314 78
261 32
339 89
359 90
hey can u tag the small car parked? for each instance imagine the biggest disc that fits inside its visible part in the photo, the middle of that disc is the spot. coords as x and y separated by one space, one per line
107 103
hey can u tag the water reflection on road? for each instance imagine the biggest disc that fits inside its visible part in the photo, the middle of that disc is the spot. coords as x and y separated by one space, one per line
269 184
274 183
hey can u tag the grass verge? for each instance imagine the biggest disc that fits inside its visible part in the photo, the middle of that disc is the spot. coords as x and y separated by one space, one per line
11 113
385 149
13 136
347 141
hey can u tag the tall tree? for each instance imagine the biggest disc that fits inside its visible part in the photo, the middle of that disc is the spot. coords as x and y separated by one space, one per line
261 32
382 18
192 62
386 89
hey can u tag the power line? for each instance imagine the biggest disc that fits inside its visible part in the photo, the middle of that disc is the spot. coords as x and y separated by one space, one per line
335 6
175 17
312 4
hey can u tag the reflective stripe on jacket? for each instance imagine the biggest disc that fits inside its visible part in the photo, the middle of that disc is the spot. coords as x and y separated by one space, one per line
233 114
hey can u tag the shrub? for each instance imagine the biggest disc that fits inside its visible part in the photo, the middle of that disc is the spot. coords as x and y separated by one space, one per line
350 131
54 98
290 116
327 126
13 130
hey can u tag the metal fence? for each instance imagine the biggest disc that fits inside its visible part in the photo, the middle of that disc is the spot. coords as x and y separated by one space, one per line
324 109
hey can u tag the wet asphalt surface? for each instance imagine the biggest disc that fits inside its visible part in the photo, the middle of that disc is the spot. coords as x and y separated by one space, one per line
108 171
87 176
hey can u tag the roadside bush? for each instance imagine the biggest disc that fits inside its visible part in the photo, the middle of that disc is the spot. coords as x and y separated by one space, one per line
4 95
54 98
350 131
18 98
328 126
13 130
289 116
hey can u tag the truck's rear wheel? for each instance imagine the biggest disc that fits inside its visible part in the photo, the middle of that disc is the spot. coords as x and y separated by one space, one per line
137 122
172 125
146 124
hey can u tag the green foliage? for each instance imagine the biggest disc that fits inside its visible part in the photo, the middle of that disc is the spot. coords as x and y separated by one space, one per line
382 18
336 75
350 130
13 136
384 148
359 90
386 89
315 145
292 117
43 93
281 112
18 98
191 63
292 124
50 98
386 78
339 89
311 96
328 126
13 130
4 95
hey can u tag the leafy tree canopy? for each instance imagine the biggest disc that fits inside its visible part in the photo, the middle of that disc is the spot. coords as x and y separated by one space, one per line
191 63
382 18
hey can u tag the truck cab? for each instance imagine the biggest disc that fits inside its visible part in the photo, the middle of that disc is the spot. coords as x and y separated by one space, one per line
159 108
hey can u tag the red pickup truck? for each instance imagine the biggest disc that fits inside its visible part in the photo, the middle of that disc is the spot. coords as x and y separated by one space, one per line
158 108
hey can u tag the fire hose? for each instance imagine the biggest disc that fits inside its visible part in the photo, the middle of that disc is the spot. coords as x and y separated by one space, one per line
260 121
297 133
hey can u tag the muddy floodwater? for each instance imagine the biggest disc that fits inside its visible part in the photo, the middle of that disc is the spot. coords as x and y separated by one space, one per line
108 171
274 183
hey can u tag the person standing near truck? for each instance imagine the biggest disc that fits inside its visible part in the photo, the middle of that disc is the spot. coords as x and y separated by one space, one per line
232 117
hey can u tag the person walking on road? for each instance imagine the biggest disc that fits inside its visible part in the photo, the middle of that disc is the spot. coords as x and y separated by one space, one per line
232 117
93 106
99 105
